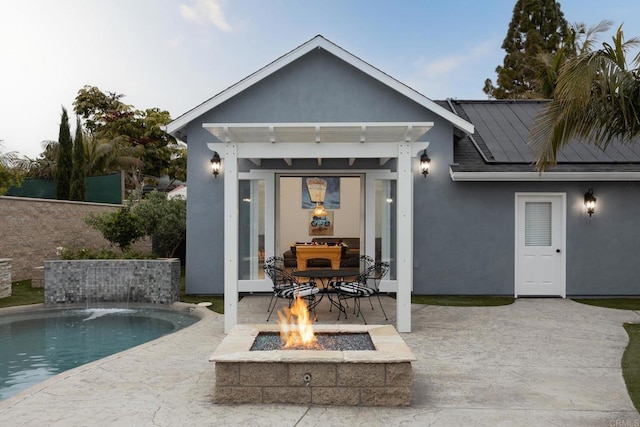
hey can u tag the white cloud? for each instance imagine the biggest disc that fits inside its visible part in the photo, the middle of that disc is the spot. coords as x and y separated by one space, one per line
189 13
458 74
206 11
451 63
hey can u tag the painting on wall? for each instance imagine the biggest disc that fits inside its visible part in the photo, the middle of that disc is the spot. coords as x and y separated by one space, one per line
321 225
331 194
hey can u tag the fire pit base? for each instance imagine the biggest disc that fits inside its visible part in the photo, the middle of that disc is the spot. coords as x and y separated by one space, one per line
380 377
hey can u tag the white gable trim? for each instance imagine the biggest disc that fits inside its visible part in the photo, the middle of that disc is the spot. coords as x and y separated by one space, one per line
315 43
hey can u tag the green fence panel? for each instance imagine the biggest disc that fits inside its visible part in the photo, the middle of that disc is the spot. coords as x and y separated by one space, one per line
100 189
104 188
35 188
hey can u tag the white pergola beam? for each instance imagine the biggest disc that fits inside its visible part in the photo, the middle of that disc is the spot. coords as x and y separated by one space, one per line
362 132
303 150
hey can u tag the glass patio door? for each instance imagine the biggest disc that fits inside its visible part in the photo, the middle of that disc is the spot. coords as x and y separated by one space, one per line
381 223
255 230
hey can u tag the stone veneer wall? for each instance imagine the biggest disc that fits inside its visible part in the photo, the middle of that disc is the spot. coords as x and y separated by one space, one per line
5 278
97 281
380 377
32 229
347 384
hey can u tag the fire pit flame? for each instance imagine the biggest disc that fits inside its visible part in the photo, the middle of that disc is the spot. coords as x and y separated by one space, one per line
298 332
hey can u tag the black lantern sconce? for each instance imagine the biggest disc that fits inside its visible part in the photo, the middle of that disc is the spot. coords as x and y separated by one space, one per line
590 202
215 164
425 162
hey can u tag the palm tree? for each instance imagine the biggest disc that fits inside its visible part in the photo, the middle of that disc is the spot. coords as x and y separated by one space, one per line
596 99
579 41
105 155
10 175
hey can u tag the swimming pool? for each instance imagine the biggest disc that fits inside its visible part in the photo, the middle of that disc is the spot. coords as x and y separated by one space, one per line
36 345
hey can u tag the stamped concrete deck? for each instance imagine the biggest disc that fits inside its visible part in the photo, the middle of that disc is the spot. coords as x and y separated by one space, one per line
535 362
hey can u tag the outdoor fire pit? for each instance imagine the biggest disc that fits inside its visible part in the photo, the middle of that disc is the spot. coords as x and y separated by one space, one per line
381 376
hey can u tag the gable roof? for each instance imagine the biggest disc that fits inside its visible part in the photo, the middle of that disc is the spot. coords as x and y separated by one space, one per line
500 146
318 42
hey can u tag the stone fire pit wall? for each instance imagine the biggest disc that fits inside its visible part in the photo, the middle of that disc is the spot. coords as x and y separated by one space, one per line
95 281
381 377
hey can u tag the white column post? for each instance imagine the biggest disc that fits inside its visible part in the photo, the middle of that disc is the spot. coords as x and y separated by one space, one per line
230 175
404 238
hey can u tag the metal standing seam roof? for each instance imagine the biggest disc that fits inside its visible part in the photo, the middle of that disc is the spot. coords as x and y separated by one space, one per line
502 131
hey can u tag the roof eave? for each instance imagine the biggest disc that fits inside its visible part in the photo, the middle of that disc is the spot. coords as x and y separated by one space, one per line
544 176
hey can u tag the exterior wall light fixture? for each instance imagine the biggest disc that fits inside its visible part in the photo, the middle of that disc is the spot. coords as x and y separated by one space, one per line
425 162
590 202
215 164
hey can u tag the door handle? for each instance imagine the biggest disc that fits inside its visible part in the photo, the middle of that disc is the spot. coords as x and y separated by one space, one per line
557 251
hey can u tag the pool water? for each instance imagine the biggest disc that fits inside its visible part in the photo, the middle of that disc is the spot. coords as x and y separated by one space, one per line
37 345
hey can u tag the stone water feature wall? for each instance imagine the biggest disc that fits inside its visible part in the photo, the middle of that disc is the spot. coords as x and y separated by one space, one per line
5 278
98 281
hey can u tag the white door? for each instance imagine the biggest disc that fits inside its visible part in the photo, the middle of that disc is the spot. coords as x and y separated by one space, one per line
540 244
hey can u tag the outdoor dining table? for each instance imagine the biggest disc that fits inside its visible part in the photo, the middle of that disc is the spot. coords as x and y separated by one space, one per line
324 276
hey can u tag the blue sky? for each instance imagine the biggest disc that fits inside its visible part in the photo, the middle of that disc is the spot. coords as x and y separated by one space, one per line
175 54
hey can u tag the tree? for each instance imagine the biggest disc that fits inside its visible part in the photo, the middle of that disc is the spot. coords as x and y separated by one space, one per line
64 162
10 175
44 166
597 100
536 27
178 164
164 220
579 41
121 228
133 137
78 174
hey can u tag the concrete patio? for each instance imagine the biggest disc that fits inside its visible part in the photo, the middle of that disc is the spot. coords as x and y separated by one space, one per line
535 362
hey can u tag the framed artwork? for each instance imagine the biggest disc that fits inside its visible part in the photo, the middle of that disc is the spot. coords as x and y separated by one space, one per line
321 225
331 197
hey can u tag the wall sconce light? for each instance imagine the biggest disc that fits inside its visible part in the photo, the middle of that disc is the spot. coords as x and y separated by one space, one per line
215 164
590 202
425 162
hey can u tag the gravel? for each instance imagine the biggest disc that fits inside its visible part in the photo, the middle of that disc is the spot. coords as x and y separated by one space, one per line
326 341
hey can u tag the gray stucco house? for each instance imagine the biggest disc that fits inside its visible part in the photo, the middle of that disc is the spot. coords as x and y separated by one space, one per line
481 222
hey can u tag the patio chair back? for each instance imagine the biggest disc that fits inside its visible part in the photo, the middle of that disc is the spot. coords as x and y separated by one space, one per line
288 287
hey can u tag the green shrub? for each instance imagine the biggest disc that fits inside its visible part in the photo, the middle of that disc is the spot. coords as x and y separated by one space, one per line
164 220
121 228
103 253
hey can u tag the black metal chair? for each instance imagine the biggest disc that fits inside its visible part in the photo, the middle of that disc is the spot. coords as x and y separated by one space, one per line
273 261
286 286
366 285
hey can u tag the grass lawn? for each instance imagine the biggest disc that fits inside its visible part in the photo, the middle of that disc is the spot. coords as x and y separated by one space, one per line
621 303
631 363
462 301
217 302
23 294
631 356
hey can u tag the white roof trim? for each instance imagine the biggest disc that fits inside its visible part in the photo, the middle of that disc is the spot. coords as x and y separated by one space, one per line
545 176
317 42
342 132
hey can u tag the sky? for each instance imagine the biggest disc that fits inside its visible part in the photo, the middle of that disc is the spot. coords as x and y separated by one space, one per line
176 54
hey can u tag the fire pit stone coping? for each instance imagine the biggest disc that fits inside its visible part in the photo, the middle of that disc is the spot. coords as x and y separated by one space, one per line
380 377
